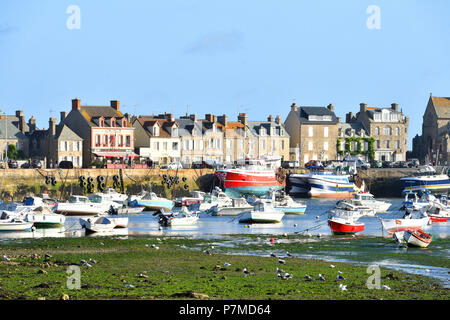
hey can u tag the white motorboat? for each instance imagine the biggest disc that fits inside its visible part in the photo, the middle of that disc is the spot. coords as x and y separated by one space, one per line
347 209
283 202
97 224
196 197
150 201
44 217
262 212
216 198
411 220
115 196
119 221
366 199
96 204
182 217
414 238
15 224
237 206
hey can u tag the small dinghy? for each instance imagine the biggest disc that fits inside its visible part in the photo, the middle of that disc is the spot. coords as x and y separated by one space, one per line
414 238
263 212
182 217
15 225
97 224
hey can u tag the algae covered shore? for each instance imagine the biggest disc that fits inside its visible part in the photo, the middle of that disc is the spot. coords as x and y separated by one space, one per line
166 268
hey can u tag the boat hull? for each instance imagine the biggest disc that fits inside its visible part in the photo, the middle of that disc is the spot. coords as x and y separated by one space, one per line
325 185
396 225
417 238
342 228
292 210
431 183
242 182
12 226
80 209
46 220
153 205
261 217
435 219
229 211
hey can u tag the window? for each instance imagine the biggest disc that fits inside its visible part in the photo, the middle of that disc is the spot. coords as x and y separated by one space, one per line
274 147
378 144
155 130
174 131
62 146
377 130
397 131
105 140
310 145
387 144
156 145
387 131
75 146
242 144
282 144
397 144
263 144
325 145
113 122
201 144
112 140
229 142
120 141
164 145
325 131
97 140
174 145
306 158
310 131
102 122
128 141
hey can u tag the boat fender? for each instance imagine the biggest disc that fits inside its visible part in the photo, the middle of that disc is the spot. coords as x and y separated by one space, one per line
101 179
184 179
90 179
53 182
82 178
185 187
47 180
115 177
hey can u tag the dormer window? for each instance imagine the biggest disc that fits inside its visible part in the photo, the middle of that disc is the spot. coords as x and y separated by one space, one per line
174 131
124 123
113 122
101 122
155 130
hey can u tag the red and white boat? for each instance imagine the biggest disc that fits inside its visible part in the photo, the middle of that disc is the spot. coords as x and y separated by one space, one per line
437 212
250 177
341 225
396 225
415 238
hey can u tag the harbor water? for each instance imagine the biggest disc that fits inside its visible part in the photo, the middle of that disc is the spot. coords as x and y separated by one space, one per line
371 246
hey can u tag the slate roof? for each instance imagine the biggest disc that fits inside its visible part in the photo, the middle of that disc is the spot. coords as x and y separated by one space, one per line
304 112
165 126
357 126
256 126
187 127
442 107
93 113
12 129
63 132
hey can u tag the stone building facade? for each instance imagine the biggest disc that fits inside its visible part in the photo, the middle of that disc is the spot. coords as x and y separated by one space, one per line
313 132
434 144
389 129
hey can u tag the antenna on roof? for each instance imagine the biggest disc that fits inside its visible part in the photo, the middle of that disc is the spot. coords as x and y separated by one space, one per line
187 109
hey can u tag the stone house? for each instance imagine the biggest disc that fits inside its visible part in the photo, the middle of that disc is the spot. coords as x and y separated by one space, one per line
434 144
106 132
192 143
389 129
157 138
55 144
313 132
14 131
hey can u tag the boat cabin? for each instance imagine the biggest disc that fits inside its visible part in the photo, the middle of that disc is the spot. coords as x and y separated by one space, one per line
99 198
78 199
363 196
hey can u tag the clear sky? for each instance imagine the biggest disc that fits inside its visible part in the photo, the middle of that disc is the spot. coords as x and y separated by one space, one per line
253 56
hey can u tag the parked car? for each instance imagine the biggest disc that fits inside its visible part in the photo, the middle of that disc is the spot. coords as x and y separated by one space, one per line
413 163
376 164
201 165
402 164
388 164
173 165
313 163
12 164
36 164
66 164
290 164
25 165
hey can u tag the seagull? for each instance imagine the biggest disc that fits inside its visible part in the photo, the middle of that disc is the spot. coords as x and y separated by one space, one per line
245 272
288 254
307 277
226 264
281 261
5 258
130 286
340 272
295 225
101 243
339 277
384 287
279 271
273 255
343 287
206 252
317 217
321 278
332 266
92 260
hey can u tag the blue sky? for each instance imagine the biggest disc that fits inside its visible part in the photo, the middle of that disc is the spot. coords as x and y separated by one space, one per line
223 56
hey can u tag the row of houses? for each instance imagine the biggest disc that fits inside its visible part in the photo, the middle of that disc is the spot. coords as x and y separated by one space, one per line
103 133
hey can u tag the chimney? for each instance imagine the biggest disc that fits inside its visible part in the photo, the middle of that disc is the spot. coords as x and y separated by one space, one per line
210 117
270 119
19 114
394 106
76 104
294 107
52 126
223 119
330 107
193 117
278 119
349 117
115 104
242 118
63 116
32 124
362 107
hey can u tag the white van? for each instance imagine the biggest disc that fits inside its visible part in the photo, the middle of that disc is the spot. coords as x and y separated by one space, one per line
360 163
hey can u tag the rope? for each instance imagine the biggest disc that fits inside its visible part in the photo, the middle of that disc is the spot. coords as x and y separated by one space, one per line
317 226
